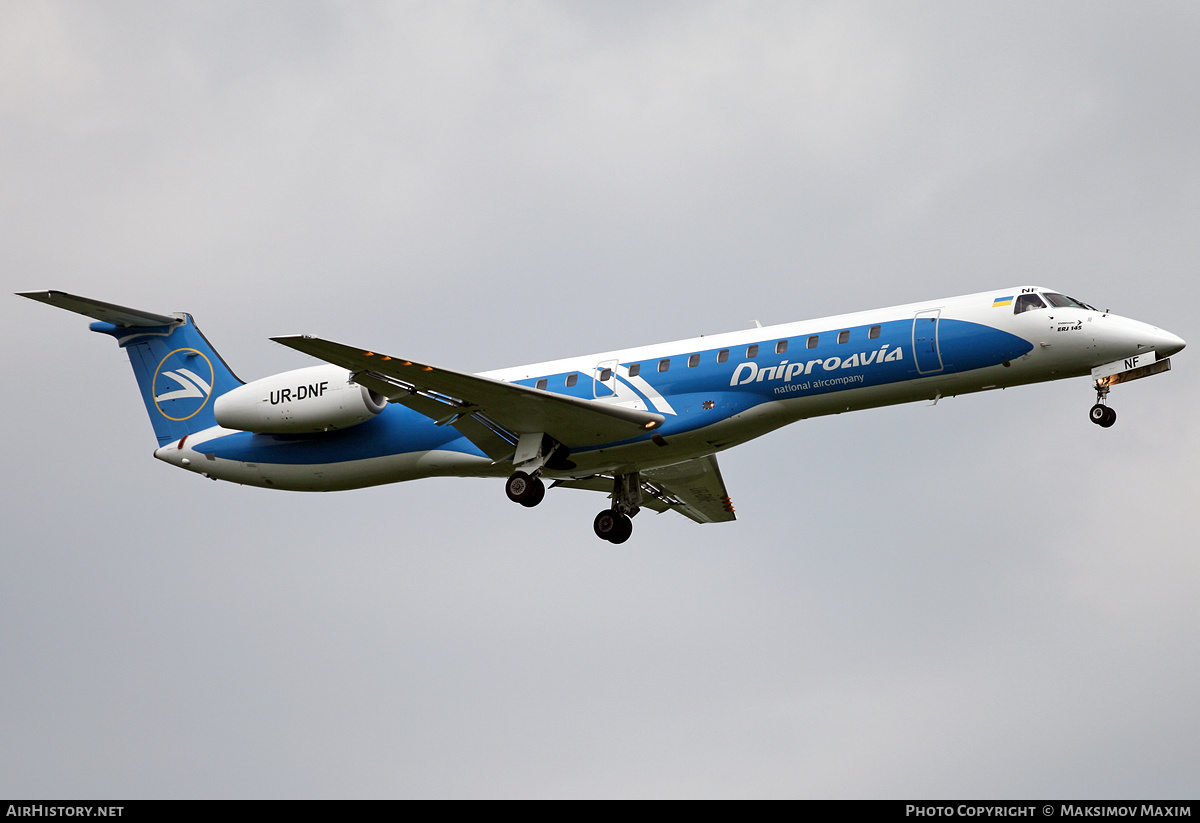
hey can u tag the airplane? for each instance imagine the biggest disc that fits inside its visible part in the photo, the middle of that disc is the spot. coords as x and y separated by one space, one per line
642 424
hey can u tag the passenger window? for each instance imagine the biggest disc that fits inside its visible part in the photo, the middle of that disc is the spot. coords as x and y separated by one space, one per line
541 384
722 355
635 369
844 336
663 365
572 378
1028 302
812 341
693 361
752 351
873 334
605 375
781 347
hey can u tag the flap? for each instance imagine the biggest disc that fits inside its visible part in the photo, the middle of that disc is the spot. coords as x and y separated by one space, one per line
694 488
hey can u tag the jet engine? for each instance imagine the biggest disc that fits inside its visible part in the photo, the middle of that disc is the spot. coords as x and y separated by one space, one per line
314 399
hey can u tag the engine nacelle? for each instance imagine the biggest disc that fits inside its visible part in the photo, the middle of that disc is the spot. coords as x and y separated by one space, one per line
315 399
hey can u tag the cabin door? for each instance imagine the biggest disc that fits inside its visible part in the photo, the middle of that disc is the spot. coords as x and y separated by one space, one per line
604 380
925 341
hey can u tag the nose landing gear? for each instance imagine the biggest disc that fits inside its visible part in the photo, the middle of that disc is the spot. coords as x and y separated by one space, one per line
1101 414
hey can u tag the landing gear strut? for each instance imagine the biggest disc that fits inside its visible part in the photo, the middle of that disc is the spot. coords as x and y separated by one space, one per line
535 450
1101 414
525 489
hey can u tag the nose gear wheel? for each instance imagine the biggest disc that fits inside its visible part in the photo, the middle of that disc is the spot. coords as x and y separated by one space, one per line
1102 415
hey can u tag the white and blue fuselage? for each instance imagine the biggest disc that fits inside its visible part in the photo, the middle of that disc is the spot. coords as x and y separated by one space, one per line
643 424
714 392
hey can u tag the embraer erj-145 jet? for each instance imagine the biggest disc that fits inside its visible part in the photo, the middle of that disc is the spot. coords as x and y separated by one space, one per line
641 424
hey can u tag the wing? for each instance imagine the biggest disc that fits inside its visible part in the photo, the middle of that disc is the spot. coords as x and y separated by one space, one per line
694 488
491 413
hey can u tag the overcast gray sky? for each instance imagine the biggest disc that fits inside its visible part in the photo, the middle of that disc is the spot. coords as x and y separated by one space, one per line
987 598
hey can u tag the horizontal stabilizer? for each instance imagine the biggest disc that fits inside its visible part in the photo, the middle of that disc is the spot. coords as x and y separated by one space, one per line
109 313
179 373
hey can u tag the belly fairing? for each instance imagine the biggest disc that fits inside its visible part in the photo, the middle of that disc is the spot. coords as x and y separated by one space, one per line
396 430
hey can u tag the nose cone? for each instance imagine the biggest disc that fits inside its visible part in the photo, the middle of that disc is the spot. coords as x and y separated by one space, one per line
1117 337
1167 344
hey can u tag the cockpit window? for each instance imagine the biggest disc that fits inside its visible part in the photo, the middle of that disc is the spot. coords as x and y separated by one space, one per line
1064 302
1028 302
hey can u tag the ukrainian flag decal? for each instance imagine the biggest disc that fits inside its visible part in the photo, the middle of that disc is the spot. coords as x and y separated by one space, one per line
1002 301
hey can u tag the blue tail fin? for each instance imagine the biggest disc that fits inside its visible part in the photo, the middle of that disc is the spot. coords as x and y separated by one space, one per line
179 373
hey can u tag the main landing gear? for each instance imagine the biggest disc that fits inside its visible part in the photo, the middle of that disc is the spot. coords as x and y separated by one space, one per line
528 490
1100 414
535 450
614 524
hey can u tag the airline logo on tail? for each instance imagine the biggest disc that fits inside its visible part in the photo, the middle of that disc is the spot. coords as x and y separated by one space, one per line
182 384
